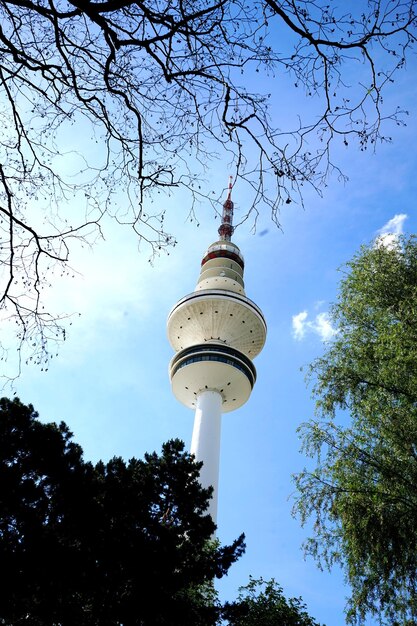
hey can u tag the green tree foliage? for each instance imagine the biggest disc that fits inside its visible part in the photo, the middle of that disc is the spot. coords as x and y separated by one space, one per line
115 543
262 603
362 494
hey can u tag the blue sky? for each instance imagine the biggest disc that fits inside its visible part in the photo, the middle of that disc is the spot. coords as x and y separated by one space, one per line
110 383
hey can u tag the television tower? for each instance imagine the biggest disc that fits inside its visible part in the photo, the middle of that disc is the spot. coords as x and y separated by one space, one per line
215 331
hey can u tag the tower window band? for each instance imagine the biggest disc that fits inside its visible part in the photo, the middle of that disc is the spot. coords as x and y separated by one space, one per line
223 354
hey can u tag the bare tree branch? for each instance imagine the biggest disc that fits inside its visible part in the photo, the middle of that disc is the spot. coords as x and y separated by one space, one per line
159 86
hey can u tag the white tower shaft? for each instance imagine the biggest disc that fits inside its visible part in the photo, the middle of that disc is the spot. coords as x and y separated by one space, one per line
205 443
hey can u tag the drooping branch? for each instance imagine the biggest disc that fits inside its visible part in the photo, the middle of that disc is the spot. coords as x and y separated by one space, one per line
161 88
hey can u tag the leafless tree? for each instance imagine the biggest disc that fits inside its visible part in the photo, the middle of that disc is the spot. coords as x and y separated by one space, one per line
153 89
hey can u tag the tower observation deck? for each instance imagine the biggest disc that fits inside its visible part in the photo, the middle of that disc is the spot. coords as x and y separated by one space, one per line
216 332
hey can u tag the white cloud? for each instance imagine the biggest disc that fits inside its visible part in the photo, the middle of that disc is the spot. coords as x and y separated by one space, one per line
388 235
299 324
320 326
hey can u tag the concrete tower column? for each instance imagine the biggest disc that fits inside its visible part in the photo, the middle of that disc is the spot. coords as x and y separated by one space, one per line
205 443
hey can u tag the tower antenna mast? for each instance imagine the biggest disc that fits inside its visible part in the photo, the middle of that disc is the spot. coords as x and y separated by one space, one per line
226 228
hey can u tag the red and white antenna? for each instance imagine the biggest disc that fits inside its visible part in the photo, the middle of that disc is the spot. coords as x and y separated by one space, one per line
226 227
